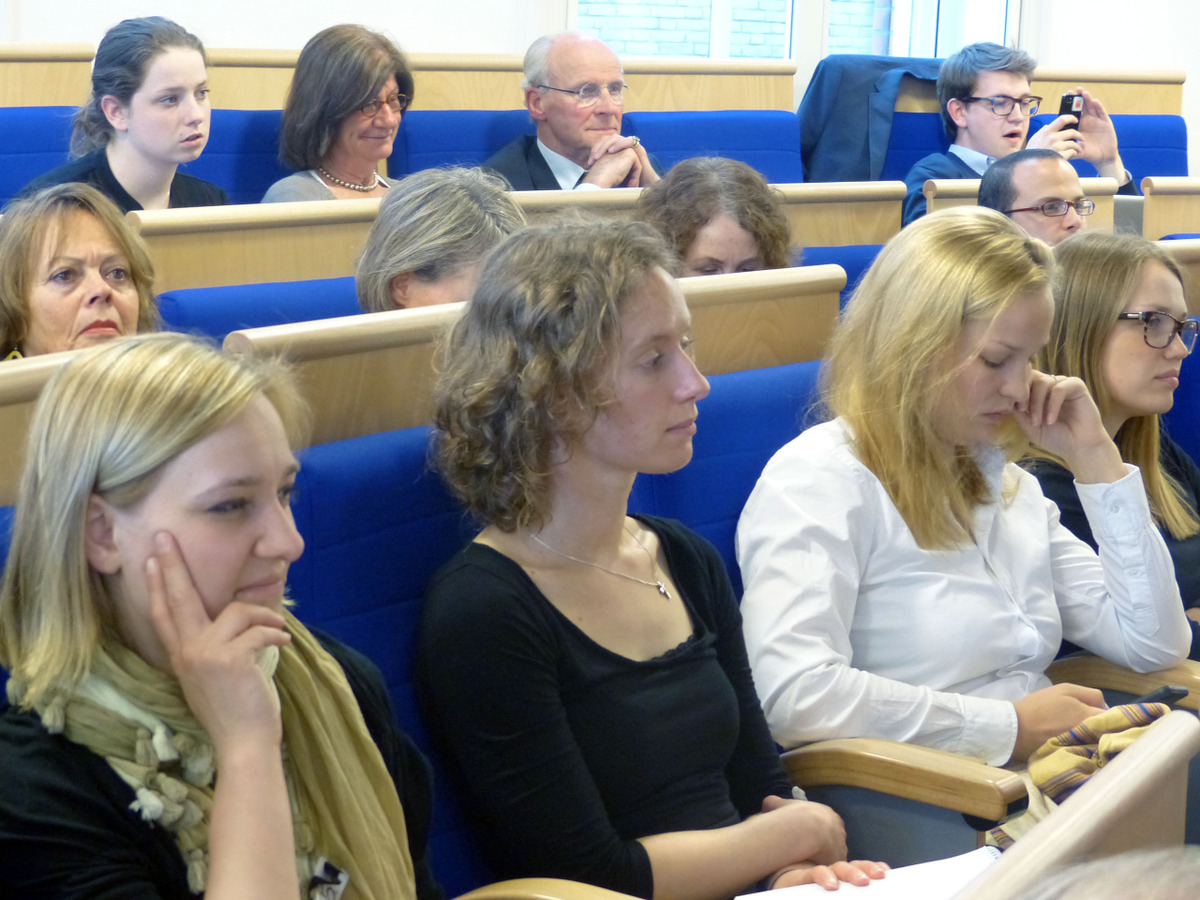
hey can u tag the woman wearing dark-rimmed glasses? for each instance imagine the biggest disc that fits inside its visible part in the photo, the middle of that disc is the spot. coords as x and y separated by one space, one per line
350 90
1121 325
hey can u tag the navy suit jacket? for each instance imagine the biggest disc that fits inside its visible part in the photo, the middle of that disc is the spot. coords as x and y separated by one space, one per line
522 163
935 165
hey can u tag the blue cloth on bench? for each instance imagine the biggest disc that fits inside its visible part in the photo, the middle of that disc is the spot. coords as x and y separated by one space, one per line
242 154
33 140
216 311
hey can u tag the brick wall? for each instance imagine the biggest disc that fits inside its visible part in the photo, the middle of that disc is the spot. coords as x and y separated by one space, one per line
859 26
682 27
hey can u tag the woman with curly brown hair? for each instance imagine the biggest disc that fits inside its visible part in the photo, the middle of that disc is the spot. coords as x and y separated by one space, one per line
720 216
585 667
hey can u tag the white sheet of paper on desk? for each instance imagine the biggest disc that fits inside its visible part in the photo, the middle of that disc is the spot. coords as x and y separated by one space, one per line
937 880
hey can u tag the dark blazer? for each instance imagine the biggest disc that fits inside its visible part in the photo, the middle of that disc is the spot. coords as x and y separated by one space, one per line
522 163
935 165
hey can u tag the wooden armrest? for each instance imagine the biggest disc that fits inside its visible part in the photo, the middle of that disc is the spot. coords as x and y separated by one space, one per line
542 889
937 777
1094 671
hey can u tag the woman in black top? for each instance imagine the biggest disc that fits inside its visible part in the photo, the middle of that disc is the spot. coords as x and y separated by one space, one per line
1121 325
586 668
147 114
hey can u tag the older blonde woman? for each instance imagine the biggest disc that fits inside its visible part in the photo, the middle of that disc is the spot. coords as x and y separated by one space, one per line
72 273
428 243
156 675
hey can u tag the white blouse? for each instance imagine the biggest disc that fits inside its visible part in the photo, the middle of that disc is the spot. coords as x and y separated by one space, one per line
855 631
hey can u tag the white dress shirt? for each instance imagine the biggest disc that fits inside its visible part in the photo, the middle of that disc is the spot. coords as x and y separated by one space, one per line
566 172
855 631
980 162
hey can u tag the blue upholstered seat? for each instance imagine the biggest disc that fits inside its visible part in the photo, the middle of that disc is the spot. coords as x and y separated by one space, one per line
33 140
216 311
242 154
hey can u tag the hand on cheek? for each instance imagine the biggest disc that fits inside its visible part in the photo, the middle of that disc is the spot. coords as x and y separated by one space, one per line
215 659
1060 416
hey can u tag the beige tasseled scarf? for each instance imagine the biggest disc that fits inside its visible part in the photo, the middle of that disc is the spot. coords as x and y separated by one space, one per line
344 803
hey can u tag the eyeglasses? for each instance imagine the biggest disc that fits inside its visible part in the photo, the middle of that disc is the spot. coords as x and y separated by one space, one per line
1002 104
1160 329
397 103
1056 208
589 94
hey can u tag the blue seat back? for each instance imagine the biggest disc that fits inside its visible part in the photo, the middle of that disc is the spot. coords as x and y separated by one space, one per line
765 139
242 154
914 136
216 311
453 137
33 140
1150 145
1183 421
743 421
854 258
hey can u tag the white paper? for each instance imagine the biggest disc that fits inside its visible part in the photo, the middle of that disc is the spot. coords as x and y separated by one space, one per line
936 880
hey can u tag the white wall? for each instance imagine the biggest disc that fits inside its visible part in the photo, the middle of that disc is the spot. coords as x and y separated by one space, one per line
418 26
1153 35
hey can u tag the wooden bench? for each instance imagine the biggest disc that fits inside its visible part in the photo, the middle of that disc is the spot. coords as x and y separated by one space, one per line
370 373
1171 206
1186 254
45 74
251 244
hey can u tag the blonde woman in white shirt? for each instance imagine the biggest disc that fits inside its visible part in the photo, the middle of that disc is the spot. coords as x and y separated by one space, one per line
903 578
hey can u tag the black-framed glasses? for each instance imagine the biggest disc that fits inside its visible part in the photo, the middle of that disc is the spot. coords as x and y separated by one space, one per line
1002 104
589 94
1056 208
1159 329
397 103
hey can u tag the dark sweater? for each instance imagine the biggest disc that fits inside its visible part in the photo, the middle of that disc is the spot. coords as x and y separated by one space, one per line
1059 485
569 751
93 169
66 830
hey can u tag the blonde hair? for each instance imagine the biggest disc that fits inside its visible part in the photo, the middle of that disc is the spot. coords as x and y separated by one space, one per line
106 424
523 372
433 223
24 229
887 373
1097 274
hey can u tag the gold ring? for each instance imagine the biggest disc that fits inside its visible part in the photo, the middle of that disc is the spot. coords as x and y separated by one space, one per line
636 140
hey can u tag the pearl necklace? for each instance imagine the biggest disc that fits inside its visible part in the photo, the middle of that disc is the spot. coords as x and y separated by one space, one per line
361 188
657 583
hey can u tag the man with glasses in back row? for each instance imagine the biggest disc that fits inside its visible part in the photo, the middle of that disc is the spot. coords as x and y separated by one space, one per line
575 92
986 105
1040 191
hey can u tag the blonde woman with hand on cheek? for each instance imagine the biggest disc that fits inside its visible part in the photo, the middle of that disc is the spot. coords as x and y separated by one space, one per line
174 730
904 579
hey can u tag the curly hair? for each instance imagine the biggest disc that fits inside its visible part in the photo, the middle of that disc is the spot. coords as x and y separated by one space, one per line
698 190
523 373
29 223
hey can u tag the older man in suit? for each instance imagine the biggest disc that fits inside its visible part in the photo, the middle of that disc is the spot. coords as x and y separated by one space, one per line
575 92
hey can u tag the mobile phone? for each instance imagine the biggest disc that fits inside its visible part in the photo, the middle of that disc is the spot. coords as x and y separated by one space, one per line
1071 105
1169 694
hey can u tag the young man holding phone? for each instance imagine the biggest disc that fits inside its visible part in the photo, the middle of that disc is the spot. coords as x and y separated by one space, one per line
986 104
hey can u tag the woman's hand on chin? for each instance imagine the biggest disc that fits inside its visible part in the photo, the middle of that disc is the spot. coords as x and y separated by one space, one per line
1060 416
215 659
